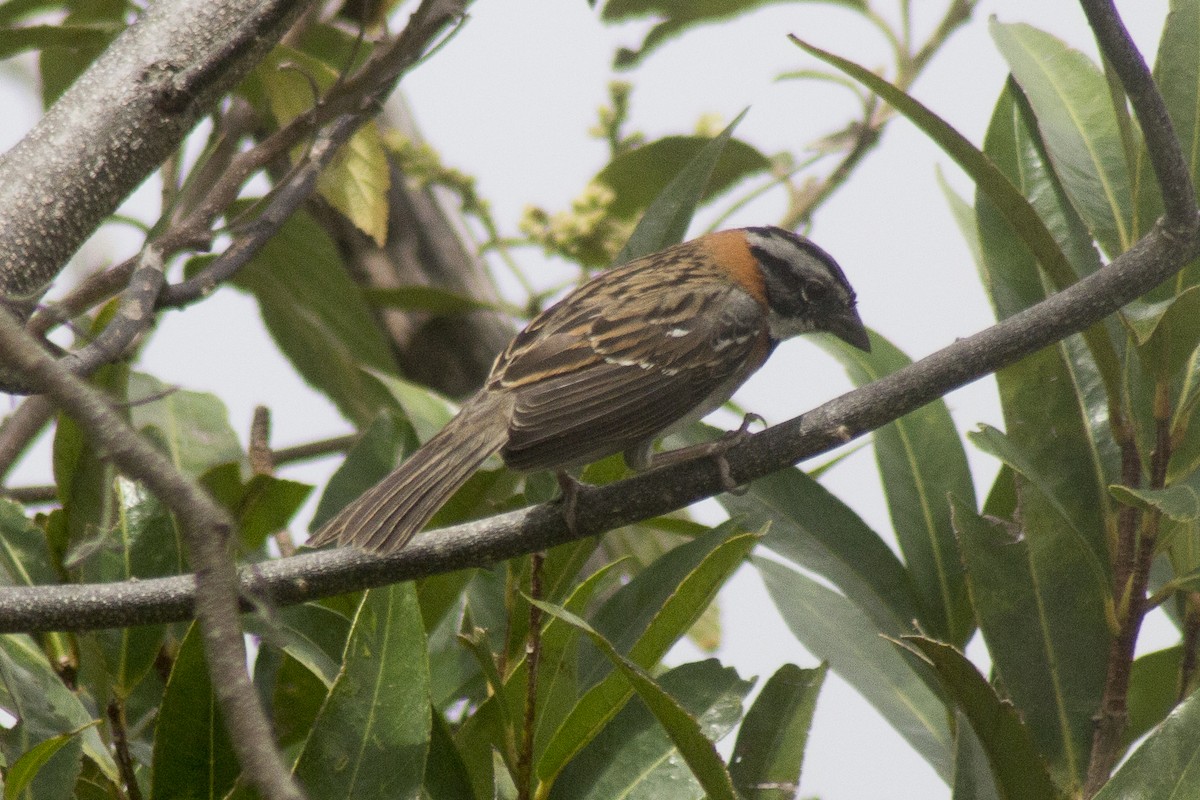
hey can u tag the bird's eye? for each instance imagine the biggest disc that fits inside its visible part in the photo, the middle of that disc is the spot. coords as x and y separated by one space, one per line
815 293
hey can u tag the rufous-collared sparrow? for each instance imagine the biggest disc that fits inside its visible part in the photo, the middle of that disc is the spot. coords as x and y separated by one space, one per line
610 368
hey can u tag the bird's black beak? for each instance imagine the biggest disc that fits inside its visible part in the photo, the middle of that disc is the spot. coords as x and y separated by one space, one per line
848 327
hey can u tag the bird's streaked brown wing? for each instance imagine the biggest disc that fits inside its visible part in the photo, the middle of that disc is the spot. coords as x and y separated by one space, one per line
609 381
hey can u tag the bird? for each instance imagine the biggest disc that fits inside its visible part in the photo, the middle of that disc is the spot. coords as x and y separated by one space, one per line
625 358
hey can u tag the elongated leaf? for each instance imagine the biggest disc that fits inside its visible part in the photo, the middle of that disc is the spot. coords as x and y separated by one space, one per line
675 594
641 618
45 708
635 756
1180 501
1075 115
193 756
1153 691
430 299
816 530
61 65
1019 770
20 774
318 317
638 176
356 182
770 746
372 456
1042 615
446 776
38 37
143 544
988 179
1177 74
973 778
1056 402
677 16
666 219
372 735
1167 765
696 749
191 427
23 552
832 629
1168 332
922 463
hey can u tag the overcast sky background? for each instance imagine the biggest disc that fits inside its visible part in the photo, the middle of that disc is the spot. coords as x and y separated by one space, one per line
510 101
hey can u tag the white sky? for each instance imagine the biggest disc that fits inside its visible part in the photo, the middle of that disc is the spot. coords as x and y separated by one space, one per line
510 101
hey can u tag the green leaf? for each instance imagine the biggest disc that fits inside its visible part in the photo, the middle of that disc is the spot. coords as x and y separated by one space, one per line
638 176
192 428
21 773
634 756
644 618
770 746
24 554
1077 121
318 317
666 219
446 776
1153 691
14 10
39 37
1180 501
310 633
1041 612
45 708
144 543
973 778
1167 765
356 182
61 65
1018 769
261 506
1169 332
372 456
372 735
431 299
813 528
673 17
1177 75
922 463
988 179
426 410
696 749
193 756
1056 402
832 629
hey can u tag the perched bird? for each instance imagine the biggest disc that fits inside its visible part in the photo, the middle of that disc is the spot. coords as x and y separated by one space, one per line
613 366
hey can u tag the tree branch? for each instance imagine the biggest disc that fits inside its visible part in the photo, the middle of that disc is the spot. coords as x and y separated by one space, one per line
138 100
207 528
312 575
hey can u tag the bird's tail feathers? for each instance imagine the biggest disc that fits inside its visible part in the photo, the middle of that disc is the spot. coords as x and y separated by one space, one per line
390 513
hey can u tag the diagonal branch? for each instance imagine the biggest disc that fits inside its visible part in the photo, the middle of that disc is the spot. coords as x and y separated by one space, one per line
312 575
138 100
207 529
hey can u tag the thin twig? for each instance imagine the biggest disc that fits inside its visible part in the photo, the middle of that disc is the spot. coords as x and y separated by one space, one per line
533 655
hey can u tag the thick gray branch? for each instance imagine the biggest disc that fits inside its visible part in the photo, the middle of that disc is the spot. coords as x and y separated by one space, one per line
117 124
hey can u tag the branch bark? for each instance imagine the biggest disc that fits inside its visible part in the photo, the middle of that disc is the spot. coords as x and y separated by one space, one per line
207 529
117 124
321 574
